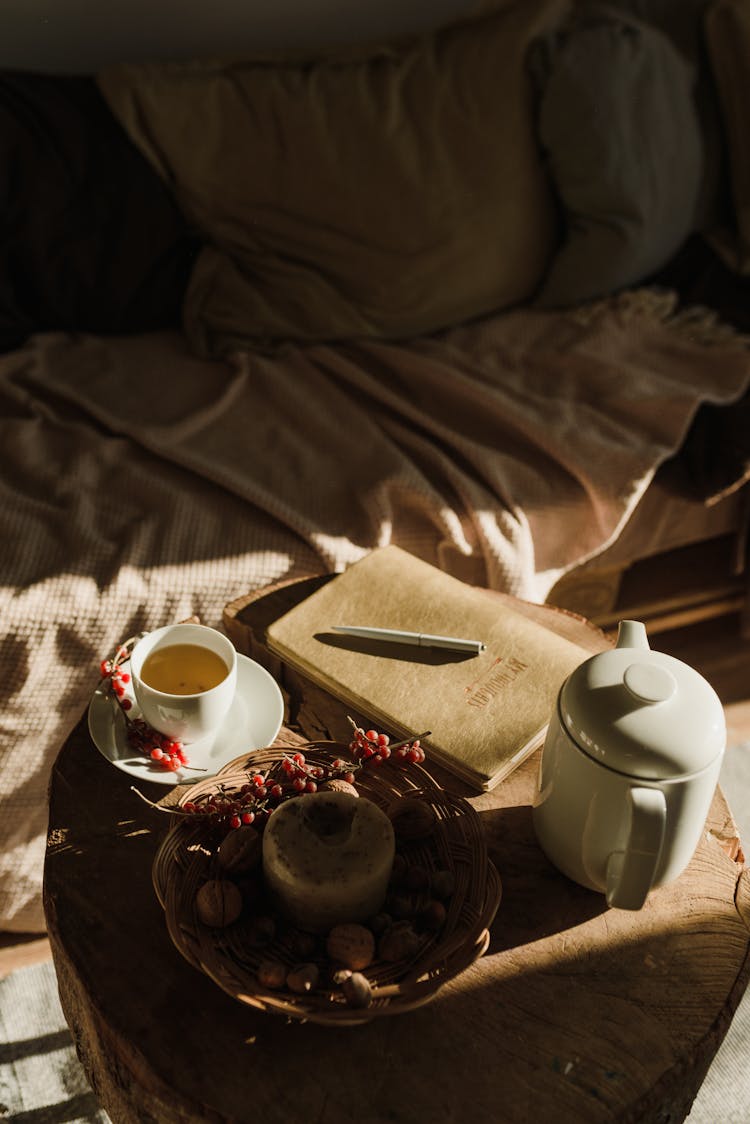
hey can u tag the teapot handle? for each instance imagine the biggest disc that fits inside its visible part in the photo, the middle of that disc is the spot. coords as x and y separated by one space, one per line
630 873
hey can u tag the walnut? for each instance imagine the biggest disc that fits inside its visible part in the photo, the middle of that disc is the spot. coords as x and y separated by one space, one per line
338 784
218 903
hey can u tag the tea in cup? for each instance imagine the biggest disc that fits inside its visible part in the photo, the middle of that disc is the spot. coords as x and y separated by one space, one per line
184 678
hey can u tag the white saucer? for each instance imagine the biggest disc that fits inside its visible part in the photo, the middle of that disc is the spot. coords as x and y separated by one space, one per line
253 722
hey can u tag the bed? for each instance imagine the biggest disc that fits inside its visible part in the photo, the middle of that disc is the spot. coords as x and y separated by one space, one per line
231 354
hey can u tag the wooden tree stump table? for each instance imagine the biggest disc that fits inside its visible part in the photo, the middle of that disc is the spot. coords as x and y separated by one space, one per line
576 1014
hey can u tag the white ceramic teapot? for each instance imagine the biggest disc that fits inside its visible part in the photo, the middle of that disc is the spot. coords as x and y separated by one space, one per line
628 770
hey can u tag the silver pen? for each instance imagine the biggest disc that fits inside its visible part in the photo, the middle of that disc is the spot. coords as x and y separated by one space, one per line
421 639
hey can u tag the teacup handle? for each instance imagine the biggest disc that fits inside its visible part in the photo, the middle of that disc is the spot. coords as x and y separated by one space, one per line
630 873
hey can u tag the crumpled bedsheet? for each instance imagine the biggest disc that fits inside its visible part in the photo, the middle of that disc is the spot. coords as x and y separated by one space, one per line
141 484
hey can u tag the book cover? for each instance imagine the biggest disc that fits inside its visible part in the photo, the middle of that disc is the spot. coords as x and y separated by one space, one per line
486 712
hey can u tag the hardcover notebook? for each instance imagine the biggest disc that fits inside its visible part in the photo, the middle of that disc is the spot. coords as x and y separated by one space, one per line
486 712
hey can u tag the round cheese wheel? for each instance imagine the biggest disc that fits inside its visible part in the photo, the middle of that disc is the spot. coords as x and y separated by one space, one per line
327 859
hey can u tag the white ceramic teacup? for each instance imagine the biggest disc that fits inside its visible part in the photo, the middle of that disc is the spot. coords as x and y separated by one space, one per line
184 717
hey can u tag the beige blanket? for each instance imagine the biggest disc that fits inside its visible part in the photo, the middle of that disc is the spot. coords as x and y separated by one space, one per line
141 484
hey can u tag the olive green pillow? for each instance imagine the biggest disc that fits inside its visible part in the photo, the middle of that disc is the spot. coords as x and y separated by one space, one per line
620 127
385 192
728 42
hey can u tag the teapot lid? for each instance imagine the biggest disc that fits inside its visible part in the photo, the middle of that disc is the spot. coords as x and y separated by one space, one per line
642 712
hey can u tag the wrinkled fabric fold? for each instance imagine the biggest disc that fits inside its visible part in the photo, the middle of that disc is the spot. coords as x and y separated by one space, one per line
141 484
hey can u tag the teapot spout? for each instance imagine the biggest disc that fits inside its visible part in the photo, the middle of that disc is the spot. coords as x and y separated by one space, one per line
632 634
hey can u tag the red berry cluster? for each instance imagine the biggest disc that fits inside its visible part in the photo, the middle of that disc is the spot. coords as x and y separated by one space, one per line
304 777
163 751
372 748
111 669
291 776
235 808
166 753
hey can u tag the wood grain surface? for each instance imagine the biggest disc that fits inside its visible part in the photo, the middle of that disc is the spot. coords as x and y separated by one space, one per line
577 1013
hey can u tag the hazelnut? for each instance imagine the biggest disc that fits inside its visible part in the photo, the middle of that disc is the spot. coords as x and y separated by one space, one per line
433 916
302 978
379 923
412 818
398 942
351 945
443 884
402 906
218 903
416 878
271 974
302 945
252 889
240 851
261 929
398 870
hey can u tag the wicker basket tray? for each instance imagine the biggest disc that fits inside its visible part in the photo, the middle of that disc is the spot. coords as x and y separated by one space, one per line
187 857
